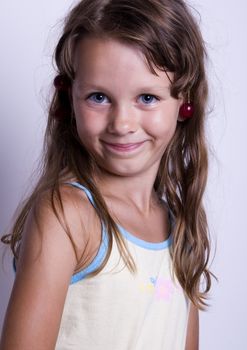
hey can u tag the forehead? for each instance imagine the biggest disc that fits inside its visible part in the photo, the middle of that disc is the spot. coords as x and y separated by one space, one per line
111 59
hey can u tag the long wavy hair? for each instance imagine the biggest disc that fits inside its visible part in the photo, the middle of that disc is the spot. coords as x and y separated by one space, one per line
168 35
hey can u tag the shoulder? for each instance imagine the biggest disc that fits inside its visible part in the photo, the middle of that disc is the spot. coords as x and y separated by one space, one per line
61 220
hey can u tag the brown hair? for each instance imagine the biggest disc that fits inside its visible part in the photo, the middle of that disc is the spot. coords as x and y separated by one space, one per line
169 37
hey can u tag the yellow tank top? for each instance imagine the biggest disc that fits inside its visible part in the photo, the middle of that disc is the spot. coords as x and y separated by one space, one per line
117 310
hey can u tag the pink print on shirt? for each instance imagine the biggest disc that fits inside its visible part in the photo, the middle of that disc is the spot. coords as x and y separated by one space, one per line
161 288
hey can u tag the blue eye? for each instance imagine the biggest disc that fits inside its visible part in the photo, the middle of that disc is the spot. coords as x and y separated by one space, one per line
98 97
148 99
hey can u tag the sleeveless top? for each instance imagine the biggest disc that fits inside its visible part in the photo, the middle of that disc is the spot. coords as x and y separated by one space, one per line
118 310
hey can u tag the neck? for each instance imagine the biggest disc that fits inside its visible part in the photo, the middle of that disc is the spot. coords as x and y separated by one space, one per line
136 191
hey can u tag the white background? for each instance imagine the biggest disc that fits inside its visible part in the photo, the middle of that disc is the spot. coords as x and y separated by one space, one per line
28 32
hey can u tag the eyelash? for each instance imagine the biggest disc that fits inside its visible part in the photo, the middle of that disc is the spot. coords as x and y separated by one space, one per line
94 94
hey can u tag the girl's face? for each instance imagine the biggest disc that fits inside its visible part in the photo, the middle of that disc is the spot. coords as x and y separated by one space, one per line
124 113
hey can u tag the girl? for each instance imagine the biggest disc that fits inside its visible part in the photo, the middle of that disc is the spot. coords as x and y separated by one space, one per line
111 245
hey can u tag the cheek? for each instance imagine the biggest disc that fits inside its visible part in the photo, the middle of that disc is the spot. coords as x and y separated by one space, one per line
89 123
163 123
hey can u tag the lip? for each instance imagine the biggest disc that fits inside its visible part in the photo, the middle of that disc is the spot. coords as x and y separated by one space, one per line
123 147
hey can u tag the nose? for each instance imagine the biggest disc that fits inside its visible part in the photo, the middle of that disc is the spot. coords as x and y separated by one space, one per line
122 120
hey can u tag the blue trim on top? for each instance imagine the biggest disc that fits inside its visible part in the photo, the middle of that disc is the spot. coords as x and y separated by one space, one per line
97 261
145 244
88 193
14 264
125 233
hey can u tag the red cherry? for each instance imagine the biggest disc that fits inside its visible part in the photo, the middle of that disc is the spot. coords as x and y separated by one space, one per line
186 111
61 83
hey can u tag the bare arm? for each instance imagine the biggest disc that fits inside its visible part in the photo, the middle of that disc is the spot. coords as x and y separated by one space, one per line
47 261
192 340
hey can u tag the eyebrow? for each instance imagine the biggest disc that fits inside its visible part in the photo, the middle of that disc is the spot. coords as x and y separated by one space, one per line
145 88
156 88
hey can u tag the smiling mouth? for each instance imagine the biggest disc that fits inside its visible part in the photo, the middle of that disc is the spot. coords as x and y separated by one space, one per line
123 147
